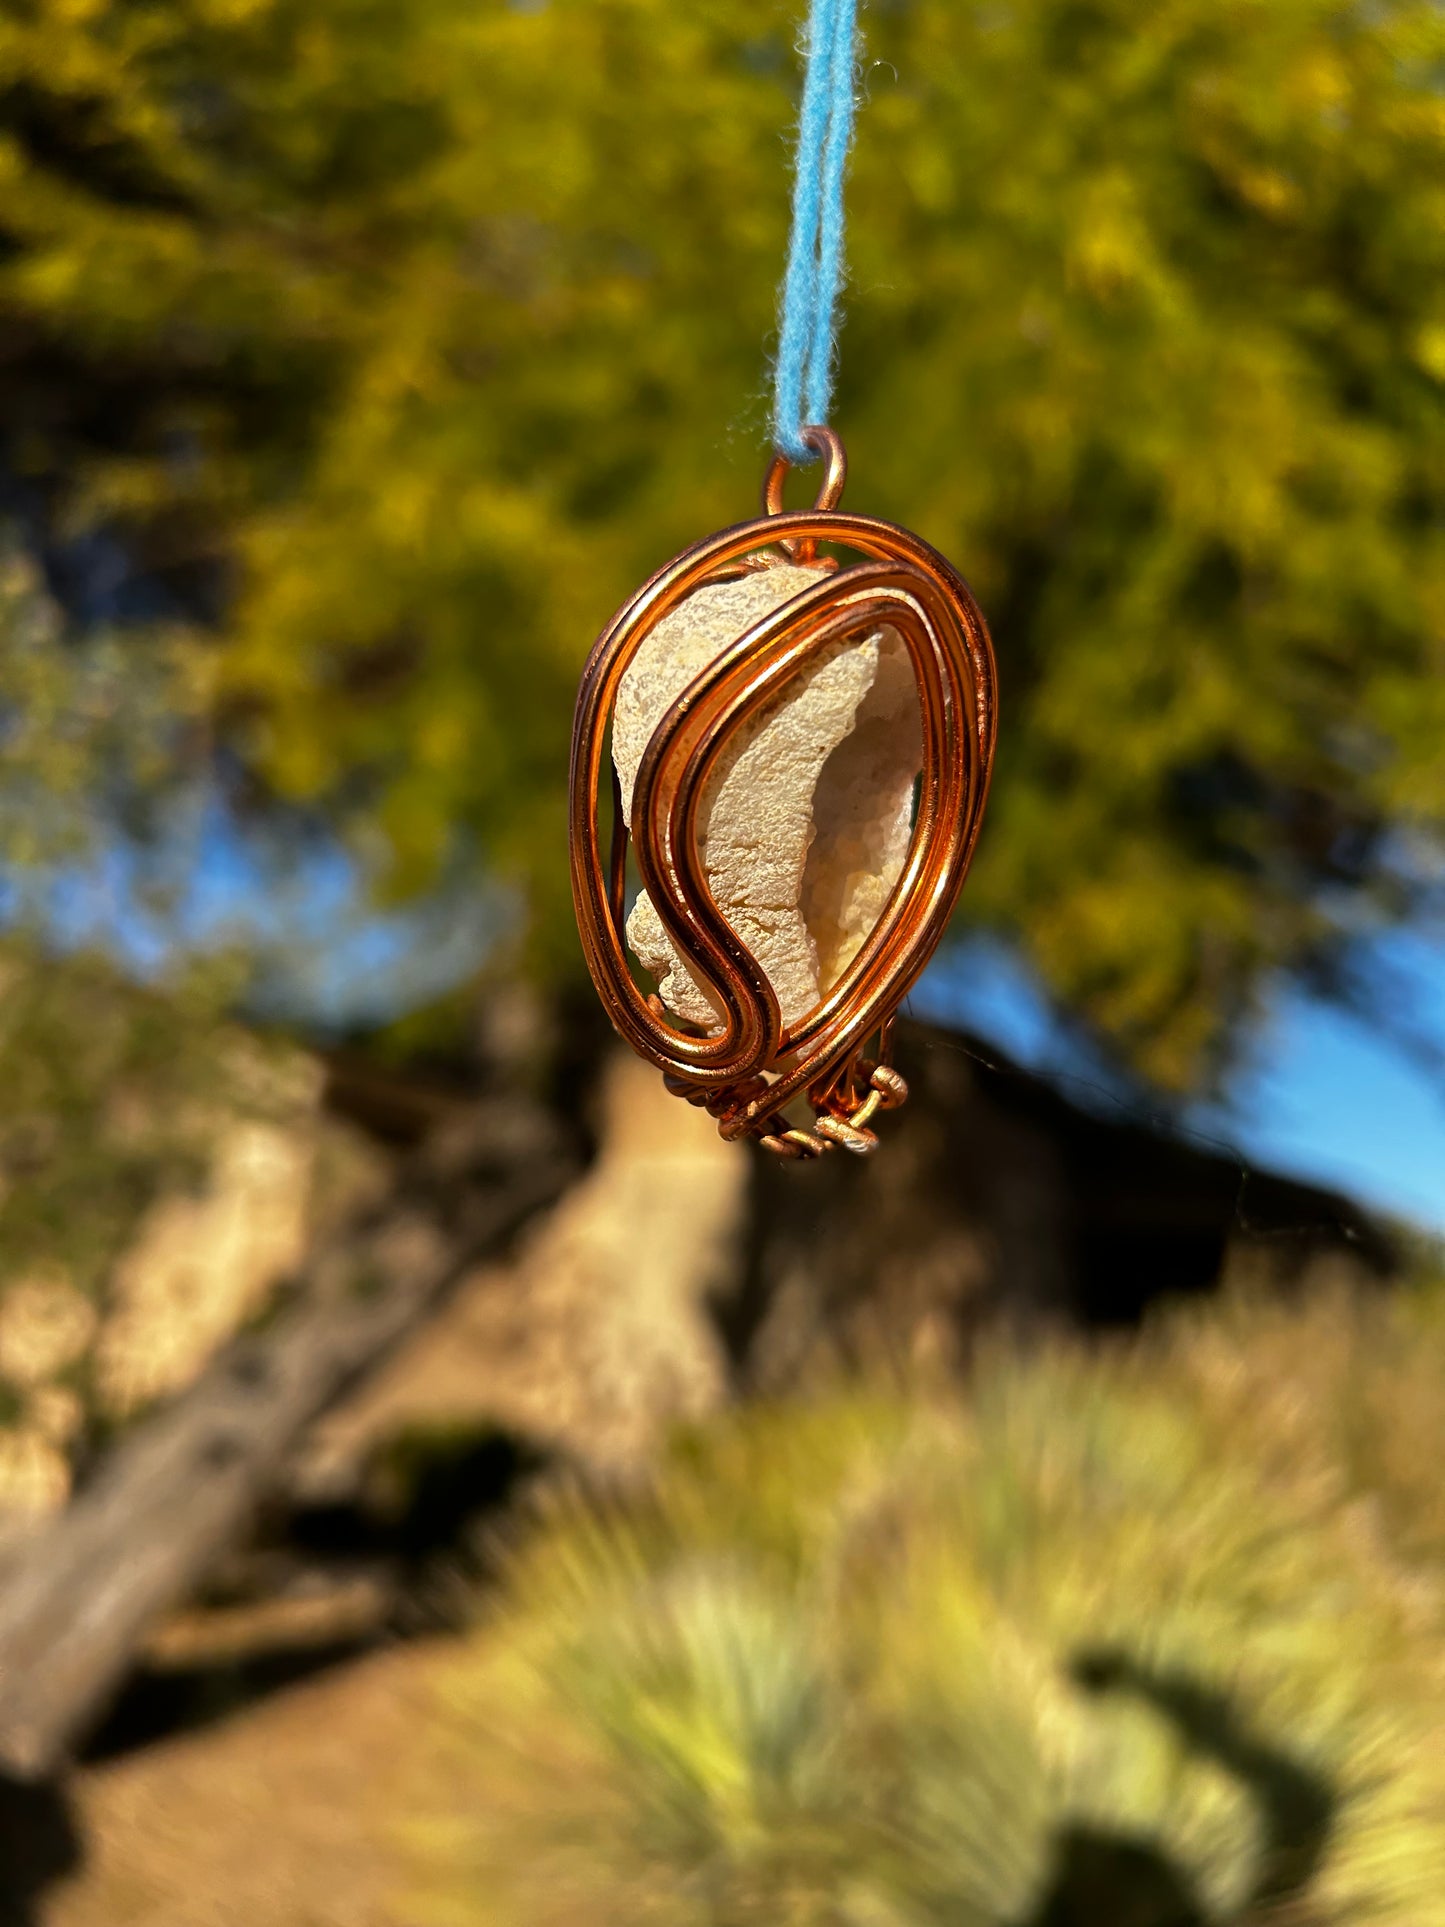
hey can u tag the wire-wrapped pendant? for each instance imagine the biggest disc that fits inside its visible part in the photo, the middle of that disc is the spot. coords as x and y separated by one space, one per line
722 1038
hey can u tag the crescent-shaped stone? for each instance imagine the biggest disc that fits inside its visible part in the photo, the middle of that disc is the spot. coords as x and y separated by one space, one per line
805 823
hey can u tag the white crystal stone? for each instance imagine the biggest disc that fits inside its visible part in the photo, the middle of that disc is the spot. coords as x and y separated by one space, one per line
804 825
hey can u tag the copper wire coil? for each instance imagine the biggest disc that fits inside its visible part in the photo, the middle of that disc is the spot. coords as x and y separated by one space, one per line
747 1071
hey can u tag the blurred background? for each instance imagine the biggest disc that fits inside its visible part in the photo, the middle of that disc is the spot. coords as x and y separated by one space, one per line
439 1480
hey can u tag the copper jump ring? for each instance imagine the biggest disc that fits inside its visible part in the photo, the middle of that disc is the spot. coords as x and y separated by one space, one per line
830 490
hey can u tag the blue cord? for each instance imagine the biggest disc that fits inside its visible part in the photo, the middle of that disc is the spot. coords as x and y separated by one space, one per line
803 382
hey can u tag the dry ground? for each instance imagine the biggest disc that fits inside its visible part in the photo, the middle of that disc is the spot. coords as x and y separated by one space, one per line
281 1815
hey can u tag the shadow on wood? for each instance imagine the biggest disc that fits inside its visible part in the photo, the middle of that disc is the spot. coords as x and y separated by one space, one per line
39 1844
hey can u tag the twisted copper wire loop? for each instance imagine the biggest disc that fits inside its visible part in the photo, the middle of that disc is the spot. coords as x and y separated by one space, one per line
746 1072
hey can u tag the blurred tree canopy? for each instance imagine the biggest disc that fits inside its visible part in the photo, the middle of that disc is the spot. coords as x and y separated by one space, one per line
399 338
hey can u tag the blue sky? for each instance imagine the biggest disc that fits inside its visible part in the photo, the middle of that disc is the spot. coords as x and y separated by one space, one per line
322 953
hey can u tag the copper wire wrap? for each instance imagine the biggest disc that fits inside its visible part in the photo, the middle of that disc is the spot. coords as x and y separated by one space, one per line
751 1068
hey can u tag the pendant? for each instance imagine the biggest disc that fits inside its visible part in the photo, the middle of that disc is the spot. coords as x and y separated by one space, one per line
798 751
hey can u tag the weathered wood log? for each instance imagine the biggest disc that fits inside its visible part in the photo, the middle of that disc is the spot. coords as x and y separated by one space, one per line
77 1603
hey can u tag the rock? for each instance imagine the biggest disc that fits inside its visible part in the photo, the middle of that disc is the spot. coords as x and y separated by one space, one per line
201 1264
804 827
46 1326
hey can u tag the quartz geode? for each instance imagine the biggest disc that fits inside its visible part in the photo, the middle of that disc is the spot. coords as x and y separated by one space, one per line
805 823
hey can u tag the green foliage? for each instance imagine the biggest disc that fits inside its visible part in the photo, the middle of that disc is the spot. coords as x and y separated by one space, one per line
1116 1643
1340 1395
94 728
429 328
111 1097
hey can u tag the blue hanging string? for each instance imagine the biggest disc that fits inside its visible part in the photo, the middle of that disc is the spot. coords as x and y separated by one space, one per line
803 383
